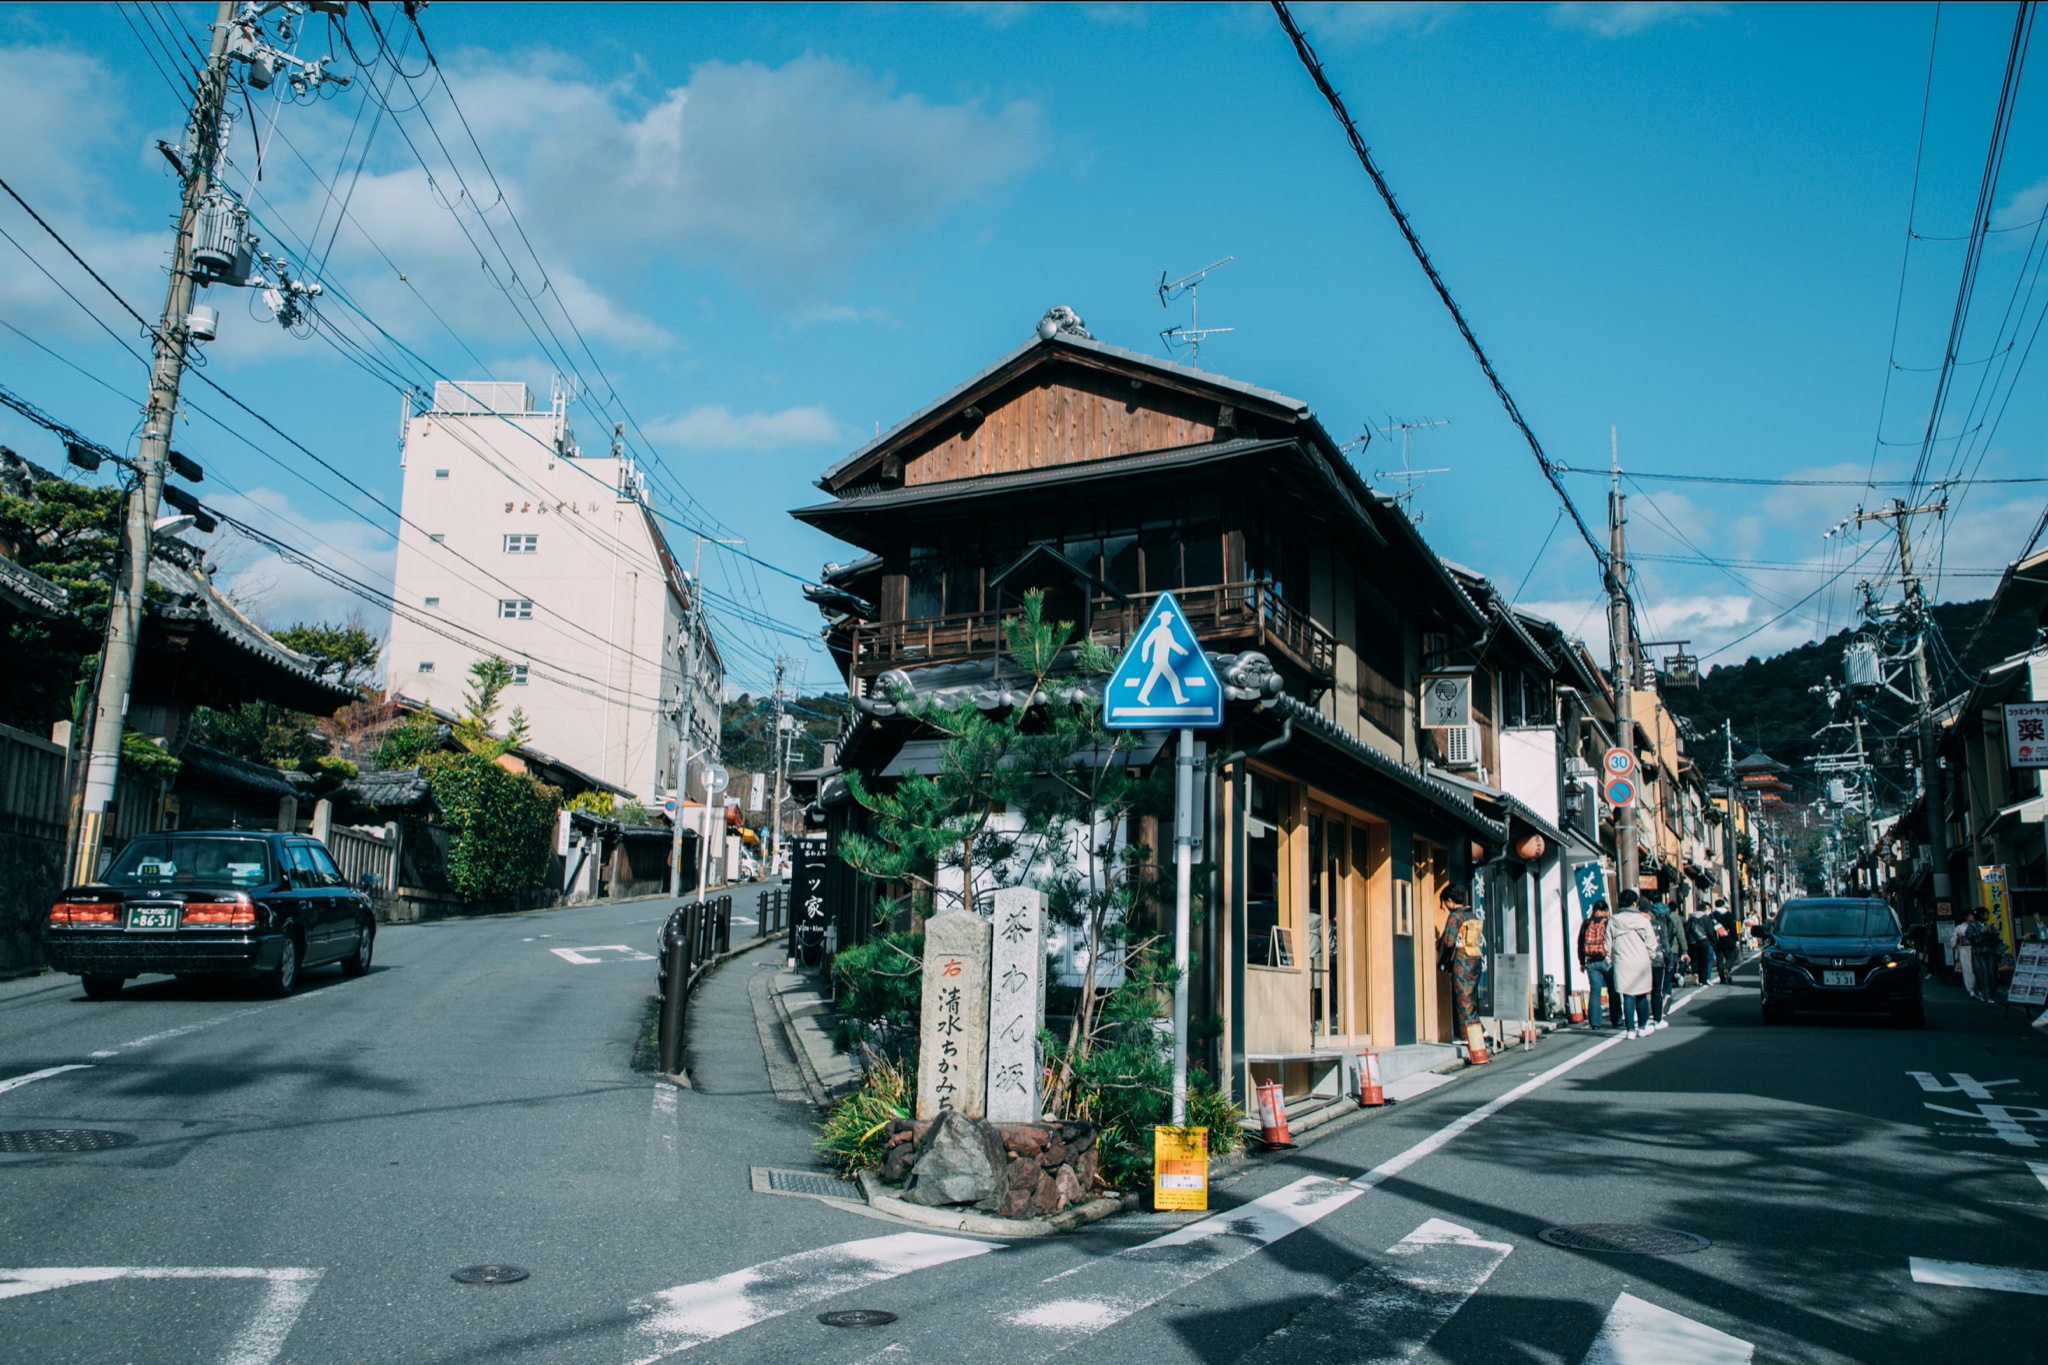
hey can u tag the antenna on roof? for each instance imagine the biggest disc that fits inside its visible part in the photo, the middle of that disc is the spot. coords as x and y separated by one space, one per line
1190 336
1411 478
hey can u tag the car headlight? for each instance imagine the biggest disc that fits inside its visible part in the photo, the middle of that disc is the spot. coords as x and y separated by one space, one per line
1779 957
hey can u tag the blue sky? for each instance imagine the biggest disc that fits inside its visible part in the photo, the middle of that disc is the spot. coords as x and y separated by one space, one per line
777 228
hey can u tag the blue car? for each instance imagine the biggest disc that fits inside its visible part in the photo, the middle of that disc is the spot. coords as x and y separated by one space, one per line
1839 954
240 903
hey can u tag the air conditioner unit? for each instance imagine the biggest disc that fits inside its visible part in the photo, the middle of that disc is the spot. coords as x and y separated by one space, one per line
1461 746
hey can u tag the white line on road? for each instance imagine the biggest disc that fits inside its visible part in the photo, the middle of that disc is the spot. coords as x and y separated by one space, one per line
1387 1311
16 1082
286 1290
2040 1170
199 1027
1964 1275
692 1314
576 955
1638 1332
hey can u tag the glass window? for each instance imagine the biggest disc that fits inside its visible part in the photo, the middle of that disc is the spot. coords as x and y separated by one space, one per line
522 545
433 601
925 584
1835 919
173 860
519 675
1202 554
324 864
1264 944
515 608
426 666
437 537
1120 563
440 473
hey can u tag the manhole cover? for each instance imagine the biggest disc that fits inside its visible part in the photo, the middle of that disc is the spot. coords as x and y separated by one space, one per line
858 1317
1628 1239
63 1140
491 1274
809 1182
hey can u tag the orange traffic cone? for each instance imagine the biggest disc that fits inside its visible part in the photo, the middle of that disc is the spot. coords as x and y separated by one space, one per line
1273 1116
1578 1010
1475 1045
1369 1093
1528 1034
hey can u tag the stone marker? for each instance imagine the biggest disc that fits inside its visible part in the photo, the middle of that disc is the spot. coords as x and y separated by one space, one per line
952 1051
959 1161
1016 1008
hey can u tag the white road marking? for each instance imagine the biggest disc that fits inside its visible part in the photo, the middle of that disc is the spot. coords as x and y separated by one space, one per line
576 955
2040 1170
1964 1275
16 1082
1964 1085
1638 1332
199 1027
286 1291
1387 1311
661 1160
692 1314
2003 1121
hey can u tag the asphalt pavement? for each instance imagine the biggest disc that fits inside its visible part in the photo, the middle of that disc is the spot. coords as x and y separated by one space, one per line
306 1174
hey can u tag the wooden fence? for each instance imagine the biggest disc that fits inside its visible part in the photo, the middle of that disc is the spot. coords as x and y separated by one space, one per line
368 859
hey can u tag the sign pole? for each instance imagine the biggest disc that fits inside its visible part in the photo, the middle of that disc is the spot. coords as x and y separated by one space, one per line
1183 870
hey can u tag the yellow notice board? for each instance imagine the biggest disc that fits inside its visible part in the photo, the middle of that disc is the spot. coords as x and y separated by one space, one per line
1180 1168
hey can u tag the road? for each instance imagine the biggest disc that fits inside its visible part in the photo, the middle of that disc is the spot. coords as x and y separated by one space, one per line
306 1174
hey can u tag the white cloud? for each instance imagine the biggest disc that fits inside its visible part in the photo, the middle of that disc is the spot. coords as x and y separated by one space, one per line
715 427
2023 208
1354 22
1631 16
276 593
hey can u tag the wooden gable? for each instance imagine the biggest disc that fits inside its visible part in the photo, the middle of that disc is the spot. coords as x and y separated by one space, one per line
1063 415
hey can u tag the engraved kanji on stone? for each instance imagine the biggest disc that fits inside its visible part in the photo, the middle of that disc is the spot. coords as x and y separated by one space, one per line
1017 969
953 1041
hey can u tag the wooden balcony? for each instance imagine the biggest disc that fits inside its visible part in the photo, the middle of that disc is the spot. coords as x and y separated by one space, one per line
1227 616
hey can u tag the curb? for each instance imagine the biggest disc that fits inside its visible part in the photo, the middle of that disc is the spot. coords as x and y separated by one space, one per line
681 1079
820 1097
986 1225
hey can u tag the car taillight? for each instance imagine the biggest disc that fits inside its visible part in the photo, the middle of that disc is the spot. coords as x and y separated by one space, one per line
230 913
84 912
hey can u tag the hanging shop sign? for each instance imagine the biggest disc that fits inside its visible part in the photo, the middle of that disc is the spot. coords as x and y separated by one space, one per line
2026 734
1446 701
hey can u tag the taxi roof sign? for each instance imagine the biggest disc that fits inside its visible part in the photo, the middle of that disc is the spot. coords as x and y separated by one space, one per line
1164 680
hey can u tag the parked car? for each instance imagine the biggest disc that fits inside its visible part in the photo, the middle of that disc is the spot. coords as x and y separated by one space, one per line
1838 954
235 903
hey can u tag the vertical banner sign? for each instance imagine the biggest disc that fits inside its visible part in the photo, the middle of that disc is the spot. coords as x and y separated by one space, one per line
2026 734
952 1045
1590 880
1180 1168
807 918
757 792
1016 1007
1992 879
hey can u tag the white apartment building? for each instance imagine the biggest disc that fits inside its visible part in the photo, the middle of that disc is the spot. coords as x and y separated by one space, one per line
516 543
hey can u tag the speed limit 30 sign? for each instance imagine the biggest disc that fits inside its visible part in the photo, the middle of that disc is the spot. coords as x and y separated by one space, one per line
1618 777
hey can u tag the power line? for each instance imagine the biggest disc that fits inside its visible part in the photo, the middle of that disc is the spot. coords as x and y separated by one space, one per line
1906 255
1543 461
1787 483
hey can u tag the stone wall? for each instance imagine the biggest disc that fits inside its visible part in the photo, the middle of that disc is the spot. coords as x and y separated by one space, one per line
1050 1165
30 877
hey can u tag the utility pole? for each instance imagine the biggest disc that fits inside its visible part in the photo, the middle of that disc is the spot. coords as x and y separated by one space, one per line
1622 649
781 766
1729 847
1917 618
124 613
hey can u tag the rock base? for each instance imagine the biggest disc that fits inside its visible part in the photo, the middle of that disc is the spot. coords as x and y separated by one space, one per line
1048 1166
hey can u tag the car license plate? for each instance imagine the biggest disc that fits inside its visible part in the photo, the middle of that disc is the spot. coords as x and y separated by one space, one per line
1838 978
152 917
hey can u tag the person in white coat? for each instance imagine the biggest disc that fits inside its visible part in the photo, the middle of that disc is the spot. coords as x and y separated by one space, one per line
1632 947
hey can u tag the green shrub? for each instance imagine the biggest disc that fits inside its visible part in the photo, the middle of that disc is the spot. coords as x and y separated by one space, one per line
144 756
877 988
853 1136
501 825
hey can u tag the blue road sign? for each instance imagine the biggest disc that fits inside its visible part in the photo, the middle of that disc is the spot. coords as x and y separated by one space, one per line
1620 791
1164 680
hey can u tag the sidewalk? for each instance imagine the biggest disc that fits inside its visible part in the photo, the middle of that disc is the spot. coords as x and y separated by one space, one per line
805 1012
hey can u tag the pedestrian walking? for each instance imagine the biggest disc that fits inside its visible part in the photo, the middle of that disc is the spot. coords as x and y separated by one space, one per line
1727 941
1458 951
1632 947
1672 944
1598 965
1962 944
1699 927
1985 948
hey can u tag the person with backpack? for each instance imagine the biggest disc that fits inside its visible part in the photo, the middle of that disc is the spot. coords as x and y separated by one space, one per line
1699 927
1459 951
1727 941
1599 967
1672 946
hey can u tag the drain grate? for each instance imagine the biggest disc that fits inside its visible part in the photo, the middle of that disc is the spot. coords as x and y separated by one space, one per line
1626 1239
810 1182
858 1317
490 1274
62 1140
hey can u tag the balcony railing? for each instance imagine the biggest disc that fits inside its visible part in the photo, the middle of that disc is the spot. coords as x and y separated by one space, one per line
1251 615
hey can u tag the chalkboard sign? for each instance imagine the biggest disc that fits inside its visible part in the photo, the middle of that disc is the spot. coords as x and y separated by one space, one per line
2030 976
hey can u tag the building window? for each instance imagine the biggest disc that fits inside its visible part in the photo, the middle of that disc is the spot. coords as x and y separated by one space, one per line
515 608
522 545
440 473
519 675
437 537
426 665
433 601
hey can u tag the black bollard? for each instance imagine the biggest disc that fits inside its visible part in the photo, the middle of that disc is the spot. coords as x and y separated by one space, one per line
673 1001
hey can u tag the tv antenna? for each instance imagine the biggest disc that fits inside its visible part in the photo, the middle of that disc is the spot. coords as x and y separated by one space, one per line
1192 335
1411 477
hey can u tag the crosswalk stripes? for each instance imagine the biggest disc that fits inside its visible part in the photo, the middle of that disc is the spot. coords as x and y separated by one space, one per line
692 1314
1638 1332
1387 1312
1967 1275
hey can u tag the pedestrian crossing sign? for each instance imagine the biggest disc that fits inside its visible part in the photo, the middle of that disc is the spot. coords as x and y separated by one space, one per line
1164 680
